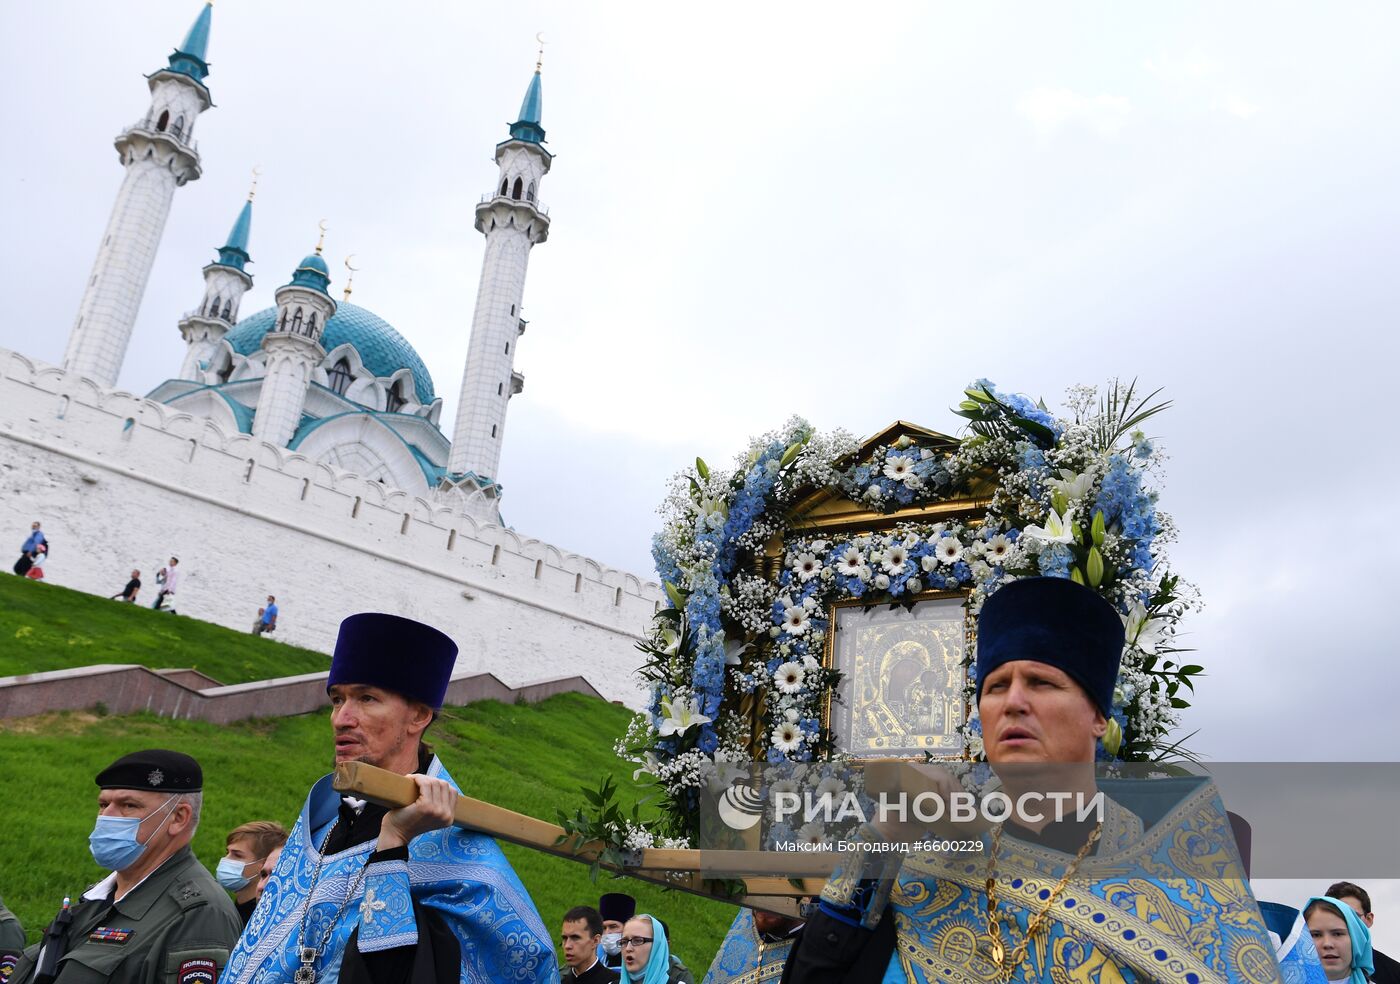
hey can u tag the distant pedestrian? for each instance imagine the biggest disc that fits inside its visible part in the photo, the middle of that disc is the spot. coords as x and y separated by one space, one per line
36 566
133 587
267 617
167 577
30 548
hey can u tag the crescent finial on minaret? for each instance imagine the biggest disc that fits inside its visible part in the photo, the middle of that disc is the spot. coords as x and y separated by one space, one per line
539 59
322 241
353 270
257 170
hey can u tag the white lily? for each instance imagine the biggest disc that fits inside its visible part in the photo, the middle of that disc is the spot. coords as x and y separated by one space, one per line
1070 485
1142 630
648 767
680 716
734 652
1055 530
670 640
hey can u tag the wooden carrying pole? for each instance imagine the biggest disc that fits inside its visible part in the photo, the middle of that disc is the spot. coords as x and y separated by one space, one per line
780 879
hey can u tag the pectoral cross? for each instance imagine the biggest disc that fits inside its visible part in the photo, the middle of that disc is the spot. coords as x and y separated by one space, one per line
306 973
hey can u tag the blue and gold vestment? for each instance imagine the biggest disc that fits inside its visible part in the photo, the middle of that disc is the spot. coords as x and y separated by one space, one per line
745 957
462 876
1165 902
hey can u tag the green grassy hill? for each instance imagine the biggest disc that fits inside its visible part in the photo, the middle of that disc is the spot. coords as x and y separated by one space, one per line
530 758
47 627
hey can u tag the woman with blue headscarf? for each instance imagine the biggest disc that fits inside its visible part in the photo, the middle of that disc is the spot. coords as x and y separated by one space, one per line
1342 940
646 955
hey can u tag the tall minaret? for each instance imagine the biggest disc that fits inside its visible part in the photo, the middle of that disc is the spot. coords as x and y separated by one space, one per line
160 155
512 222
225 283
292 349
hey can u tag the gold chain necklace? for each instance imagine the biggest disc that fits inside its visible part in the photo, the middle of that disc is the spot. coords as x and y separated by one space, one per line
1005 967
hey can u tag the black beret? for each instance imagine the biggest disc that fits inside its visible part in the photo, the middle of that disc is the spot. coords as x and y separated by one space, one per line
394 653
156 770
616 907
1055 621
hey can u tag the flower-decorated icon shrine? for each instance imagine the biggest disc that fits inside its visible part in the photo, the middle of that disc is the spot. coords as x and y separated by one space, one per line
824 592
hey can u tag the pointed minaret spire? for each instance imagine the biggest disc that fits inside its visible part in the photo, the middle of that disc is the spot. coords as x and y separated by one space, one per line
159 155
512 222
225 282
192 57
528 127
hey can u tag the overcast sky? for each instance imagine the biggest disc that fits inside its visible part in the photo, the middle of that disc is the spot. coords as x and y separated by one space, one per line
759 212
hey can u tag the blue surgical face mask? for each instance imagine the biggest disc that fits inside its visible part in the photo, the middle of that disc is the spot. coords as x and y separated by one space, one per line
612 944
230 874
113 839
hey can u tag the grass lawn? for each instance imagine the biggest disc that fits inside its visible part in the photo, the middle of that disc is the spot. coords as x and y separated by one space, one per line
529 758
48 627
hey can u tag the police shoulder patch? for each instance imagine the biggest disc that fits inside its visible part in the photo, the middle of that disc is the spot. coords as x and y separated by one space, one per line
8 960
197 970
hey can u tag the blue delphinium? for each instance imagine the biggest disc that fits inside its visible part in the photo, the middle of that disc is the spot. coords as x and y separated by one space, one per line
1130 510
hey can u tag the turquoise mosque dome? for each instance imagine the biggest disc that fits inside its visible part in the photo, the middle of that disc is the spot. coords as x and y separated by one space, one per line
382 349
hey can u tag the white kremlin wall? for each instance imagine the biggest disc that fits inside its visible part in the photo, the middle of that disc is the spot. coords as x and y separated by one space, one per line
120 482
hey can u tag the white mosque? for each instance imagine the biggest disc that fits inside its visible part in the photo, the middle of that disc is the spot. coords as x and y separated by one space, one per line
324 377
299 450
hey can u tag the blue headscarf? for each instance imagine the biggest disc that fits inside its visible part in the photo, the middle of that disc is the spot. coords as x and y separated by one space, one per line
1362 963
658 968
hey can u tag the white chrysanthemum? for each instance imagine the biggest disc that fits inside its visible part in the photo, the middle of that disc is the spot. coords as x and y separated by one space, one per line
899 467
796 620
998 548
812 834
928 562
851 562
781 787
831 786
864 573
806 566
882 581
896 559
787 737
790 677
949 550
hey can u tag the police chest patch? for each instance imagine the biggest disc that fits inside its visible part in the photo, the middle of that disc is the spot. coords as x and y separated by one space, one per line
8 960
200 971
109 934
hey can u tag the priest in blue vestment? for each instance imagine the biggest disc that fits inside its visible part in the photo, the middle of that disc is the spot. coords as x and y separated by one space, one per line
366 895
755 949
1150 888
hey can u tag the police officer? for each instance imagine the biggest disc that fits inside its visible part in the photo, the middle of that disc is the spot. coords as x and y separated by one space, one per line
11 942
159 917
